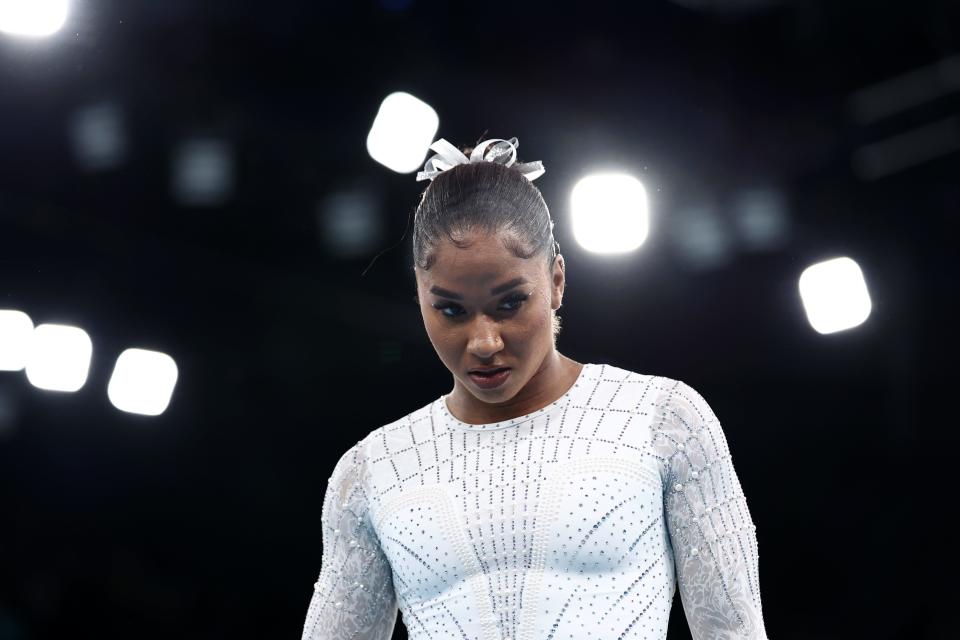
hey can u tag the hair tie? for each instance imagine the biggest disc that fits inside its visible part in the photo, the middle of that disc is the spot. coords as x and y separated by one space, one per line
493 150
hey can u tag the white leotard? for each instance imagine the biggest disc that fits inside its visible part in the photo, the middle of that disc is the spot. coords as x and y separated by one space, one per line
575 521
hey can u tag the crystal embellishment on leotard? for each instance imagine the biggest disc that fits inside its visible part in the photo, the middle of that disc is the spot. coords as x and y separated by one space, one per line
581 519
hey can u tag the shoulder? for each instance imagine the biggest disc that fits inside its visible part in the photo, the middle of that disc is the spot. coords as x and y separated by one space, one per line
647 389
620 388
608 387
682 404
358 453
397 434
685 429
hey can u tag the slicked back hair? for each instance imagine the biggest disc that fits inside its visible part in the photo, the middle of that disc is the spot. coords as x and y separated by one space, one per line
482 196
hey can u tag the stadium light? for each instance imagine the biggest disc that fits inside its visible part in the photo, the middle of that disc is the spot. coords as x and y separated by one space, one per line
16 328
402 132
834 295
58 358
142 382
33 18
609 213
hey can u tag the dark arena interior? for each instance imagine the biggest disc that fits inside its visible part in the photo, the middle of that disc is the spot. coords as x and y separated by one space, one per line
207 293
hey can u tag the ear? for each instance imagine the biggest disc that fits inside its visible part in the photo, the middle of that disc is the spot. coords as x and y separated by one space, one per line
558 282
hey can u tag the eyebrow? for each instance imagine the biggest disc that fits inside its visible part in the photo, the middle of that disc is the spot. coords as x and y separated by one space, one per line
506 286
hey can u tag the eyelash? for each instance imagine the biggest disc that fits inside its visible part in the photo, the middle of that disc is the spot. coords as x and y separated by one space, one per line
519 298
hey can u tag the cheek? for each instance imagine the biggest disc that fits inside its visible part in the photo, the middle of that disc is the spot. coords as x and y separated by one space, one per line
544 310
544 326
439 333
536 324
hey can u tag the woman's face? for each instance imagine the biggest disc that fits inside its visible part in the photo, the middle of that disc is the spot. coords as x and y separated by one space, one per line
482 306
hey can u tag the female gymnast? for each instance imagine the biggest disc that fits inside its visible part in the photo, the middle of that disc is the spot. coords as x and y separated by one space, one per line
541 498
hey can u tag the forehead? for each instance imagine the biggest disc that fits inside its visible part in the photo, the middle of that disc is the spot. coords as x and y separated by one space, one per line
484 263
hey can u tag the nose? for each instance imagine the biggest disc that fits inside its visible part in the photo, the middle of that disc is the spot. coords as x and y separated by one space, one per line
485 340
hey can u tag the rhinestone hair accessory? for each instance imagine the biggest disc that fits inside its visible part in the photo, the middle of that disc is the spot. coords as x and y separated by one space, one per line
492 150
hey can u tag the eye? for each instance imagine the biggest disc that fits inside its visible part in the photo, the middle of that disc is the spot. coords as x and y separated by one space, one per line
444 306
510 304
516 299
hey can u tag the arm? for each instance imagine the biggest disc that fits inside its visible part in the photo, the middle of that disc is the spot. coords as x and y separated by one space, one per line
353 599
711 531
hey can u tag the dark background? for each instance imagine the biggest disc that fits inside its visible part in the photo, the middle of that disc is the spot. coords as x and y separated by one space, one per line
204 522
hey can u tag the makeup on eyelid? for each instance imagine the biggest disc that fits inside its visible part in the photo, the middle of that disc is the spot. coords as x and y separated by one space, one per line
517 299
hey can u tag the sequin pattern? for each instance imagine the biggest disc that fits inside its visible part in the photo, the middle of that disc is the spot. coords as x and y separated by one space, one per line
354 596
576 521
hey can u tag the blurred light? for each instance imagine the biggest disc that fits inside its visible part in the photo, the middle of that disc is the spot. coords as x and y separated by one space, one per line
349 223
59 357
906 91
701 237
609 213
761 219
834 295
402 132
16 330
142 382
33 17
908 149
97 135
203 172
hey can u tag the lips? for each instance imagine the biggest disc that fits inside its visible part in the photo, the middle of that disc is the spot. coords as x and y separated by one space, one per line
492 380
489 371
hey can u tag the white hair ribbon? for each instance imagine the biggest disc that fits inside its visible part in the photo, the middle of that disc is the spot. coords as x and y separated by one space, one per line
492 150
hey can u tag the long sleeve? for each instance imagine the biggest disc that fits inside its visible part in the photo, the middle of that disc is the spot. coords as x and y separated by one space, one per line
353 598
710 527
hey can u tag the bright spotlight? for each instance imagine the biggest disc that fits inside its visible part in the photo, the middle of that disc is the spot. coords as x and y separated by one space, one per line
142 382
16 327
834 295
402 132
33 17
610 213
59 357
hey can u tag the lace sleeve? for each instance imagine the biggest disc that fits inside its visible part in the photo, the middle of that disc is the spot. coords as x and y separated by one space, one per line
354 596
711 530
